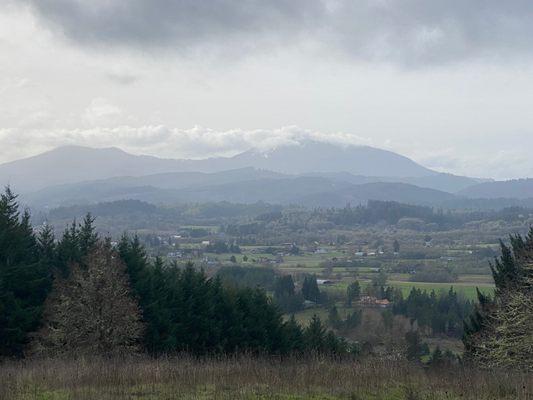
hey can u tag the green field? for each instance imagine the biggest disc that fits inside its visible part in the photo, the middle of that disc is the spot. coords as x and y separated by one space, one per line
466 289
313 263
463 288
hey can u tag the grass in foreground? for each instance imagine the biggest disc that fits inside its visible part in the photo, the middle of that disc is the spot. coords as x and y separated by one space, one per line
250 378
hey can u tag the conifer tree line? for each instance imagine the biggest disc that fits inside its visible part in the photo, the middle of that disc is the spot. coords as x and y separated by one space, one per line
81 295
441 312
436 313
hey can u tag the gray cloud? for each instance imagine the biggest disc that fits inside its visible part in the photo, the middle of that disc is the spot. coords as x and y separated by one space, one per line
177 24
405 31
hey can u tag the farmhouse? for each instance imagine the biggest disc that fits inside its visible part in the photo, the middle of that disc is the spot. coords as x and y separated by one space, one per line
371 301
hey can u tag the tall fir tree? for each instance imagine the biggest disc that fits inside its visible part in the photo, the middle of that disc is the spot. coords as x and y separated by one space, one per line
310 290
25 278
498 334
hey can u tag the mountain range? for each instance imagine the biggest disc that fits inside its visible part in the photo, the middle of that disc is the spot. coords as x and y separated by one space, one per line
310 173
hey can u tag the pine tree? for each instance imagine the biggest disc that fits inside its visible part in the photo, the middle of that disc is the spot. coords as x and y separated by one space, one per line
24 280
87 235
353 292
315 335
294 339
353 320
284 286
46 242
68 248
285 295
134 256
310 290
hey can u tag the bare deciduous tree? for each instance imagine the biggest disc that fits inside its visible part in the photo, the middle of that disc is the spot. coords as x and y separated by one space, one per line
92 311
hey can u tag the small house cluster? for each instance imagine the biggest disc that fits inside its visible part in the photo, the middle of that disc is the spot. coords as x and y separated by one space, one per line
371 301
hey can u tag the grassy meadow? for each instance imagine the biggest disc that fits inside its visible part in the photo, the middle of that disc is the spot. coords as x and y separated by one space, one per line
252 378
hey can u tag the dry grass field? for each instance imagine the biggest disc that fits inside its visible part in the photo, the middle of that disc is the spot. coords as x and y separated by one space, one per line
251 378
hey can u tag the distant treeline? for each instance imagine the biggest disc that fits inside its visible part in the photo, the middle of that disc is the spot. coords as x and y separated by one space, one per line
180 212
440 313
255 219
392 213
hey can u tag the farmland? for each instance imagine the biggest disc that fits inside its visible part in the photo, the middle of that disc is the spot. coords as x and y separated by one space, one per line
364 268
387 260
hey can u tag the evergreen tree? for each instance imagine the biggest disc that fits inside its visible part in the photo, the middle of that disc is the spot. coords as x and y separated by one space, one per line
284 286
315 335
294 338
76 243
24 279
318 339
353 320
310 290
68 248
498 333
353 292
87 236
46 243
285 295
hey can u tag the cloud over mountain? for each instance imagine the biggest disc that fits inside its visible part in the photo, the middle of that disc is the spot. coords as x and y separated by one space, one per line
197 142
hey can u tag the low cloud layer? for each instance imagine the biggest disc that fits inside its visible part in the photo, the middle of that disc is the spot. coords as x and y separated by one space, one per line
162 141
405 31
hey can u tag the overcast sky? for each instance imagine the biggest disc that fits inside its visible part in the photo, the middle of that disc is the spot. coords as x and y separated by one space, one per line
448 83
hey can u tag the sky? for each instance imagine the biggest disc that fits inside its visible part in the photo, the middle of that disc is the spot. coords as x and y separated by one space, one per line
448 83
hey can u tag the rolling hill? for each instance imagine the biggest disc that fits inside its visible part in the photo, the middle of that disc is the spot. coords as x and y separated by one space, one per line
237 186
516 189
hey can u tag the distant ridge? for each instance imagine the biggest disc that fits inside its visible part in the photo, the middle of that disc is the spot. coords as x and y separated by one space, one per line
311 156
244 186
74 164
515 189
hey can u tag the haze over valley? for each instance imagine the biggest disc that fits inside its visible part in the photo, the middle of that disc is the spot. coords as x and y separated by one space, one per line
282 199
